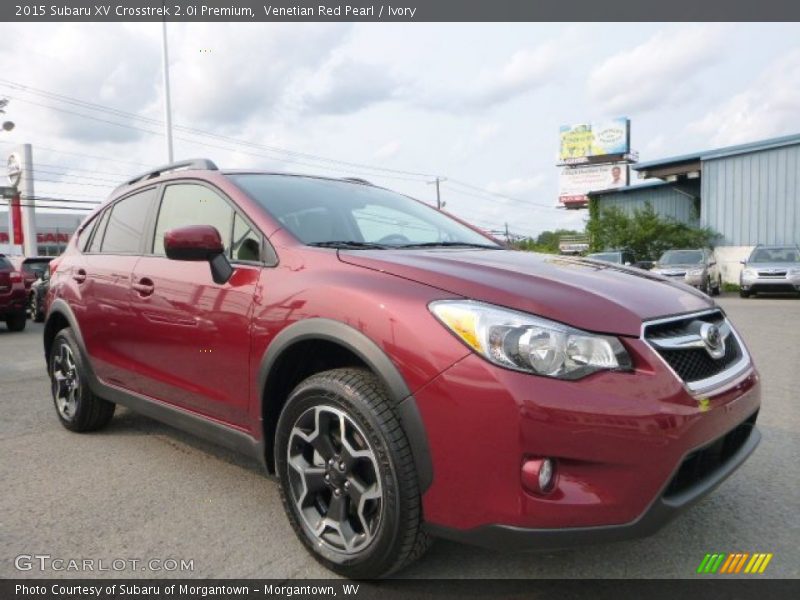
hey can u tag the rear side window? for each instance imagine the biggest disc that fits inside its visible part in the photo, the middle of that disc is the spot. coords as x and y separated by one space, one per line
86 234
187 204
4 263
97 237
126 224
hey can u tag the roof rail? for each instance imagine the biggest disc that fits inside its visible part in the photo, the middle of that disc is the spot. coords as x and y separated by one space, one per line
357 180
200 164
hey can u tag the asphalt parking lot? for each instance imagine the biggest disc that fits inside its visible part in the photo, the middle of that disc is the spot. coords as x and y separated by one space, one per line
141 490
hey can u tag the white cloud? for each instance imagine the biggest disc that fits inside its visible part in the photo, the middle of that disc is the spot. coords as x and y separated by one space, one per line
388 150
347 86
660 71
112 66
526 70
249 73
767 107
518 187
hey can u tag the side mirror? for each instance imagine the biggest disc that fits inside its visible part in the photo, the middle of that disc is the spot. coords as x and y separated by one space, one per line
743 261
199 243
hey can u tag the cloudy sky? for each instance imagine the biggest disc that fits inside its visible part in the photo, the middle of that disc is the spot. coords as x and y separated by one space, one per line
479 104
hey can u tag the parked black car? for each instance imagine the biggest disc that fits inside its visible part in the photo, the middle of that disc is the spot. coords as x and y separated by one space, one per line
37 295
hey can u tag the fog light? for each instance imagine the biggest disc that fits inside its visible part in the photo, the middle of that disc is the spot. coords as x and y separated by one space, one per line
538 475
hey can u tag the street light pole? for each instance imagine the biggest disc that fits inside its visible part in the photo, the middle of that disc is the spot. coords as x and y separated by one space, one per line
167 105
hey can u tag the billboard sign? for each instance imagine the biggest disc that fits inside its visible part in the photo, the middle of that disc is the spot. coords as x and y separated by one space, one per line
609 139
576 182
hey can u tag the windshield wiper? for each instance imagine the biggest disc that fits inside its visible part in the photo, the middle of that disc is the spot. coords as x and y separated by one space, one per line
348 244
450 245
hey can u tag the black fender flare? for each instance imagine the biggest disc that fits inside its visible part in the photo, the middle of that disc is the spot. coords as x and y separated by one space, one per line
61 308
370 353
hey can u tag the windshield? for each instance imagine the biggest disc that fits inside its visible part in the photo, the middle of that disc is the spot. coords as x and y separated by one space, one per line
681 257
339 213
612 257
783 254
37 268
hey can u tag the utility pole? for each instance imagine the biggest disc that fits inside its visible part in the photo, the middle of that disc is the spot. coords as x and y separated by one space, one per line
167 106
508 238
437 181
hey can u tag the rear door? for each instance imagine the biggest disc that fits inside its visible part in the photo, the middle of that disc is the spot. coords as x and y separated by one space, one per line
103 278
193 337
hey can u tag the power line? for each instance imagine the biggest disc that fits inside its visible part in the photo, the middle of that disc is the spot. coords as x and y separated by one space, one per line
101 185
374 171
47 206
57 199
499 195
194 131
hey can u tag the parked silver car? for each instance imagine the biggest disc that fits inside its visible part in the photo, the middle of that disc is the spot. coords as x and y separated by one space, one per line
696 267
771 269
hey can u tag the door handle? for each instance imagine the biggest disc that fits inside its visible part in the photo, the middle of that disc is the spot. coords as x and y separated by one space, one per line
79 276
144 287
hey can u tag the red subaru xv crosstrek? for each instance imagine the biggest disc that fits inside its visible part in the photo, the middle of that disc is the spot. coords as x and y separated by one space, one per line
404 375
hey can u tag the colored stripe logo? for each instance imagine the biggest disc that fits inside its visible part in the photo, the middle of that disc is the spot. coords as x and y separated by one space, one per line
735 563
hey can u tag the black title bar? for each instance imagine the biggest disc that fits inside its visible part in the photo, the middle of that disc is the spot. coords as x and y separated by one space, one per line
400 10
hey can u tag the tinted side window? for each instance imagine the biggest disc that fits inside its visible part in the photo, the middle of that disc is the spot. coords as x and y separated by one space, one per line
97 238
126 224
192 204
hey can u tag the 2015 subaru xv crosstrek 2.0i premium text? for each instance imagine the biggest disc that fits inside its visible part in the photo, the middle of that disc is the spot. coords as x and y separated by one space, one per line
403 374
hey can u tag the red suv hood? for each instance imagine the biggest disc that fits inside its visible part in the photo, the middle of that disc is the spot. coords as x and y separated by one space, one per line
586 294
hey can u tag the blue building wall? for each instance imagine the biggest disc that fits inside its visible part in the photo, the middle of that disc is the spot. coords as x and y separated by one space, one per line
665 199
753 198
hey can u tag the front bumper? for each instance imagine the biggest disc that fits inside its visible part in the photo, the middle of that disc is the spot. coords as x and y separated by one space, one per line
666 507
772 285
618 440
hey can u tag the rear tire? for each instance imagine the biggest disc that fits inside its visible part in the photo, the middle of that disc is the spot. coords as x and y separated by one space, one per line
77 408
357 511
744 294
17 322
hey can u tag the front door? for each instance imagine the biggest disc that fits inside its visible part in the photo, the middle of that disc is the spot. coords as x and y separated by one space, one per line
193 345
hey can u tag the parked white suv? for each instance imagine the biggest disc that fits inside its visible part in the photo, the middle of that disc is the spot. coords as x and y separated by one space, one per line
770 269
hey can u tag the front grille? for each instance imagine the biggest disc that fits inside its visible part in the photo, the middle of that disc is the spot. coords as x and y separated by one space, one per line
696 364
776 274
680 343
703 462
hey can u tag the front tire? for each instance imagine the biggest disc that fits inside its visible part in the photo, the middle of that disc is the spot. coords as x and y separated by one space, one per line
78 409
348 481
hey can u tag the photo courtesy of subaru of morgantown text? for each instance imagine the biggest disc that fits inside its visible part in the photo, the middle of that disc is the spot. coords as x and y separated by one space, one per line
311 296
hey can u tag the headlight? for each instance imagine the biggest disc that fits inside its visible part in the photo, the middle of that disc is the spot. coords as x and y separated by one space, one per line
794 272
749 273
695 273
524 342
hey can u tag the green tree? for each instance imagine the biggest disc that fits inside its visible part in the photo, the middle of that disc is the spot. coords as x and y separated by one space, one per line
645 232
546 242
